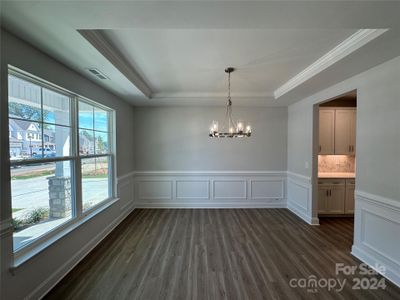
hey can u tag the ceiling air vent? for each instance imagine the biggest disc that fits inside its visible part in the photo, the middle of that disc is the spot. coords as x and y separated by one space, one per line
97 73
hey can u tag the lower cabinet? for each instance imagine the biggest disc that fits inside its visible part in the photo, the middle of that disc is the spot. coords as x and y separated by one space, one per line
335 196
349 203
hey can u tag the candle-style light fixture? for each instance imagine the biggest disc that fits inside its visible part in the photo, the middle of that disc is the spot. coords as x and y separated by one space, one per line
230 128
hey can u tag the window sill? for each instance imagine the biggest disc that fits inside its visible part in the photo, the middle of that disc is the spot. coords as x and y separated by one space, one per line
24 255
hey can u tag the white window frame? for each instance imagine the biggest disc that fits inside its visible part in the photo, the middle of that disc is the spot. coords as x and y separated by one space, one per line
111 155
78 216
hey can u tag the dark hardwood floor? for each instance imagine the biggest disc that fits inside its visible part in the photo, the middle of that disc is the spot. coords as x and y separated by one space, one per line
216 254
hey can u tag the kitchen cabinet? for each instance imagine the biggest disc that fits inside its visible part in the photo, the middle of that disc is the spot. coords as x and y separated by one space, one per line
337 131
326 131
323 195
331 196
336 196
349 202
345 131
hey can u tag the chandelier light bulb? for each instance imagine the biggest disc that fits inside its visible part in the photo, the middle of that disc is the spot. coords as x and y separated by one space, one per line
214 127
240 127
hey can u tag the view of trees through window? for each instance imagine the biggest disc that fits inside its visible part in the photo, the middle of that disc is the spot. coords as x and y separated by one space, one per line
56 140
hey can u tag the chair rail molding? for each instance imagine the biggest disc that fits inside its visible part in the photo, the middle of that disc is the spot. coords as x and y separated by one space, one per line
376 229
210 189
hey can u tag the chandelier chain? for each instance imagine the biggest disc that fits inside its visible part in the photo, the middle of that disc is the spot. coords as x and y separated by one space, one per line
229 86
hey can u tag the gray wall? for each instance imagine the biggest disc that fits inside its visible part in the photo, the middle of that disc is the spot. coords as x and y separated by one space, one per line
53 261
300 124
378 129
176 139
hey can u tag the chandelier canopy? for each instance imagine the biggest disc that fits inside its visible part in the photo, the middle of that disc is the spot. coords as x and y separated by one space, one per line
229 128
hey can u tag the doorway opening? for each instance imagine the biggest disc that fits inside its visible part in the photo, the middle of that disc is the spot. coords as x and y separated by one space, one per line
334 159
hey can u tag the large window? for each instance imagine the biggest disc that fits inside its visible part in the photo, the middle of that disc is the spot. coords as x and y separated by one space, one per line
60 155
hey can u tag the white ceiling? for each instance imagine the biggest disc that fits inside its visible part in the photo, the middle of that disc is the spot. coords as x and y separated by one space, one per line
180 49
193 60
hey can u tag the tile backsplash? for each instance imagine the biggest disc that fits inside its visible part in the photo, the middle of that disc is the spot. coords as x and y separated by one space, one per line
336 163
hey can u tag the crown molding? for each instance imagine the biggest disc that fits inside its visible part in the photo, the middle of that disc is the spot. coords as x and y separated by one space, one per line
198 95
97 39
348 46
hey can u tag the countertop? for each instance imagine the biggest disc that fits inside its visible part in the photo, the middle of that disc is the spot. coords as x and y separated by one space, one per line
337 175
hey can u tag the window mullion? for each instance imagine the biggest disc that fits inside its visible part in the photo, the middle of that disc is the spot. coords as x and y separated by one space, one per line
42 119
112 151
77 161
94 134
111 191
78 186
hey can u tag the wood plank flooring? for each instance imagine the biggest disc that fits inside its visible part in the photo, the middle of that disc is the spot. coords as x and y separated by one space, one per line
216 254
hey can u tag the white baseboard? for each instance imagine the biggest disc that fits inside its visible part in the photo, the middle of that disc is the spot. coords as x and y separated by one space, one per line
376 230
254 189
215 205
304 217
370 260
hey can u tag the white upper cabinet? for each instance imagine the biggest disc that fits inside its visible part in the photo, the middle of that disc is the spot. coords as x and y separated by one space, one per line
337 131
345 131
353 129
326 131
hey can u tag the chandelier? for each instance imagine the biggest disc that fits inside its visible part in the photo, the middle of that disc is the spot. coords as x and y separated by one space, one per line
230 128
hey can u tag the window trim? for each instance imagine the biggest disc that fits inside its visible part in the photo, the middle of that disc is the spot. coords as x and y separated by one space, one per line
78 216
111 155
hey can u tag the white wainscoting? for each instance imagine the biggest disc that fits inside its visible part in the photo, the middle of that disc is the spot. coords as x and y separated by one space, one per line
193 189
125 191
299 197
230 189
210 189
376 233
